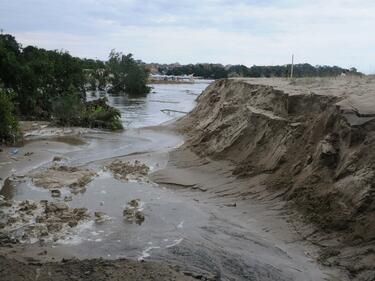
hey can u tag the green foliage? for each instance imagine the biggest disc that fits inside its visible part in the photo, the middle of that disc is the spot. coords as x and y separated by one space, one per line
66 109
9 129
100 115
52 84
38 76
69 110
127 75
216 71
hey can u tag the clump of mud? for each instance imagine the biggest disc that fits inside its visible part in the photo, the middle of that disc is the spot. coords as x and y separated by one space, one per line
312 150
57 176
133 212
128 171
29 221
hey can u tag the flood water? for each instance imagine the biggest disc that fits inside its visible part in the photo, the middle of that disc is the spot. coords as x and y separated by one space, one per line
176 229
139 112
165 213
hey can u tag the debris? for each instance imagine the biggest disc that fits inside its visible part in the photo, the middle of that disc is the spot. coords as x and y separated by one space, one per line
57 159
100 217
55 193
127 170
132 212
28 221
59 176
13 151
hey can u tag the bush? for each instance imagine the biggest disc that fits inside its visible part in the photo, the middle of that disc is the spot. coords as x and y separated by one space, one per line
69 110
66 109
9 128
98 114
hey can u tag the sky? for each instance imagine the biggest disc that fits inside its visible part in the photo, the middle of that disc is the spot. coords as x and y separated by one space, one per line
249 32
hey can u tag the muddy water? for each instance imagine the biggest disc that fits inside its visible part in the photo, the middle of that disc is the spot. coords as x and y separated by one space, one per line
176 229
165 212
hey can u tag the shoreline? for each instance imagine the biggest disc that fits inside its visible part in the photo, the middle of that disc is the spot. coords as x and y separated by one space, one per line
194 177
250 226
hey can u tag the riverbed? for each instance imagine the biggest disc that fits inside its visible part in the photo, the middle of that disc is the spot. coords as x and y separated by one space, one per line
183 224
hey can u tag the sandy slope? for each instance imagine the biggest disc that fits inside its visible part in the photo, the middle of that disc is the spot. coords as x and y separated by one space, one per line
309 142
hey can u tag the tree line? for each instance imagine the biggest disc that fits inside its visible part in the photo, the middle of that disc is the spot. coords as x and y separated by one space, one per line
218 71
39 84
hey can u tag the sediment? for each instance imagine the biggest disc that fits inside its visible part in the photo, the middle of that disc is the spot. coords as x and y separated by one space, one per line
314 150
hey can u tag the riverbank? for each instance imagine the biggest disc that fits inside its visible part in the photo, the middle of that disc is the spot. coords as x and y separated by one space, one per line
306 143
200 207
210 232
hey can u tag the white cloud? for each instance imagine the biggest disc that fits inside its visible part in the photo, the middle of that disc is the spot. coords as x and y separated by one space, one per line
249 32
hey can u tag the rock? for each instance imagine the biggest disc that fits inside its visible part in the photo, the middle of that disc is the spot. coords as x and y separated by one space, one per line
57 159
99 214
72 223
134 203
132 213
61 206
56 207
100 217
80 212
139 216
327 154
68 198
55 193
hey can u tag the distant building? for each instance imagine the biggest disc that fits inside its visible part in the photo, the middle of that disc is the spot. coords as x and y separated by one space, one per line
171 78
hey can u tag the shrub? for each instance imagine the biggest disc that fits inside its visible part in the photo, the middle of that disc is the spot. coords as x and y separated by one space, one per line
66 109
69 110
99 114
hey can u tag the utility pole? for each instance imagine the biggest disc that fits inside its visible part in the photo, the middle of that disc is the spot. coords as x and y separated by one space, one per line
291 70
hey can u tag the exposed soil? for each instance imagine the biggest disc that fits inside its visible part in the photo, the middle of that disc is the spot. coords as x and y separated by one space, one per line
312 150
127 170
29 221
60 176
88 270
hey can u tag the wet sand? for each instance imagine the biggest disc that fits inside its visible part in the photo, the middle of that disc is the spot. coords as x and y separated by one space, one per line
196 218
191 219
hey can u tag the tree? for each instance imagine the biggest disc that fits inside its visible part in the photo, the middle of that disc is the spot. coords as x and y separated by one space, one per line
126 75
9 129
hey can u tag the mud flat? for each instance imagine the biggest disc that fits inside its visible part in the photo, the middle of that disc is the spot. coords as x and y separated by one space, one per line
306 146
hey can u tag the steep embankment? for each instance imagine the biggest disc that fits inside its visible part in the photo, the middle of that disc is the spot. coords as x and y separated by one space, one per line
317 151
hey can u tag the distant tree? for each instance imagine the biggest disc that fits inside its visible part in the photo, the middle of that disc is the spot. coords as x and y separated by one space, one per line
127 75
216 71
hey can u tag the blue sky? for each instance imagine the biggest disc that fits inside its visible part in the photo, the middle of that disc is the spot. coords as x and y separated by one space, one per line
334 32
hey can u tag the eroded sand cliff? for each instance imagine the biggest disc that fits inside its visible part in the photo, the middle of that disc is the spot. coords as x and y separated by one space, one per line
311 143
